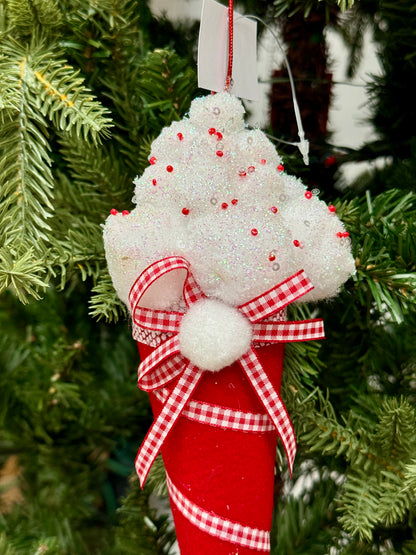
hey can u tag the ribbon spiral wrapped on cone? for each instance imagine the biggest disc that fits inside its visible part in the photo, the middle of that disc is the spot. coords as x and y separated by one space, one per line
221 241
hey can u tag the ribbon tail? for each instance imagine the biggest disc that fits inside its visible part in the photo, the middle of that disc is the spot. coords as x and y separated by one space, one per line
272 403
165 421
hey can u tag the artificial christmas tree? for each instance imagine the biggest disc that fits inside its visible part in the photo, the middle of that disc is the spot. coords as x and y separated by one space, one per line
351 401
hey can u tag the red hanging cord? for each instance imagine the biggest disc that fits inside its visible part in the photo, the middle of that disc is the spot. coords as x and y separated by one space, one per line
230 45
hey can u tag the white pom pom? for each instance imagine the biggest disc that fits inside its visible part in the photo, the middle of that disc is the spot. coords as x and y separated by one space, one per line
213 335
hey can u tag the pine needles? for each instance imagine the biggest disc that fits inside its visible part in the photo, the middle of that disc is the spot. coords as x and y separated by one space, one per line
58 181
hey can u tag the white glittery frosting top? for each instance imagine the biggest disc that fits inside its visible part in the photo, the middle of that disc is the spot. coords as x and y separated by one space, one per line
217 194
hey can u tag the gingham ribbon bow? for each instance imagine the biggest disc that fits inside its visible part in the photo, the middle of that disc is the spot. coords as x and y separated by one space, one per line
166 362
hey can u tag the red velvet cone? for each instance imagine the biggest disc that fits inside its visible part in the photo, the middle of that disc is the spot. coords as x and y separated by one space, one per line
226 472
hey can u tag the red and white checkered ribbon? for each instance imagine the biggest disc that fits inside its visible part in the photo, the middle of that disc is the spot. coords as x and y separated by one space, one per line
166 362
222 417
217 526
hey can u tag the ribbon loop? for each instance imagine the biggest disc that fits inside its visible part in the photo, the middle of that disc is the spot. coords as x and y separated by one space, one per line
149 276
191 291
158 369
157 320
277 298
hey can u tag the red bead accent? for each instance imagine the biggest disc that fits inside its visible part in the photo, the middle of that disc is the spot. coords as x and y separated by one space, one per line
272 257
169 169
219 136
296 243
340 234
254 231
219 153
345 234
113 211
212 130
331 208
180 136
185 211
308 194
224 205
242 173
274 209
251 169
280 168
152 160
234 201
125 213
262 161
154 181
330 161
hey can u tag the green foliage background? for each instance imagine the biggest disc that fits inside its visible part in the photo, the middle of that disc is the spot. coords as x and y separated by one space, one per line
85 86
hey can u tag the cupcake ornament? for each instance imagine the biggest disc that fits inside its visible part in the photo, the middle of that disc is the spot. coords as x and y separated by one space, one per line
221 240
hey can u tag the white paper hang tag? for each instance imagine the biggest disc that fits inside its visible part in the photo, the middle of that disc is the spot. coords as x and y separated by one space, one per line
213 52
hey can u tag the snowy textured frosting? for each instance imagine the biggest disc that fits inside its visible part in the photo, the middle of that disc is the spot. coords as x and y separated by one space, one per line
217 194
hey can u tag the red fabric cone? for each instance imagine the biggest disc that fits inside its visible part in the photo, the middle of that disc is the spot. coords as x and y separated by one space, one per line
226 472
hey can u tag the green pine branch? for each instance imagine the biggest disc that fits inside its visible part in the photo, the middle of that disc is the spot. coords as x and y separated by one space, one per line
385 252
105 303
5 547
360 500
306 523
38 85
24 273
95 178
291 7
166 85
376 491
22 15
25 163
141 530
25 174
